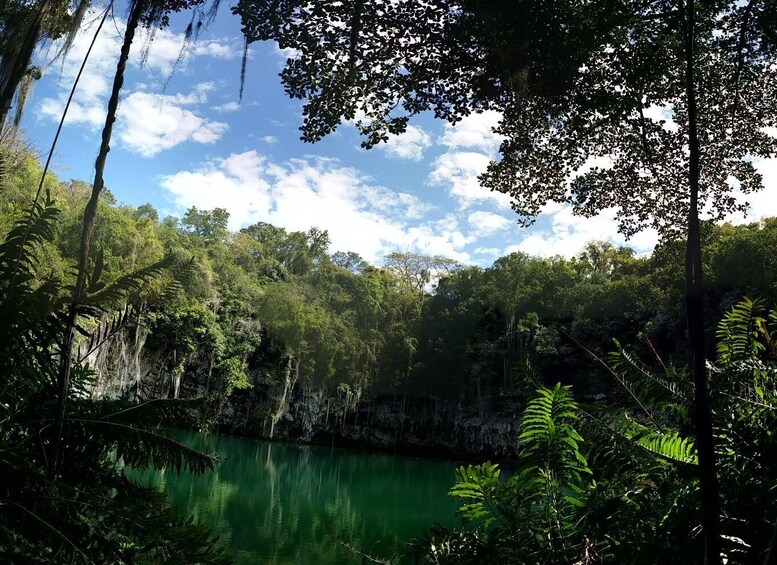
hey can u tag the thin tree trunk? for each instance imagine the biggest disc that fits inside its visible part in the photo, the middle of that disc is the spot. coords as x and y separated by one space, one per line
694 294
86 235
288 386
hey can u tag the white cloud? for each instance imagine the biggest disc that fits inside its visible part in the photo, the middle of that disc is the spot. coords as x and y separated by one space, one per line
474 132
486 223
762 204
458 171
217 48
227 107
598 161
568 234
163 53
441 237
488 251
159 121
235 183
471 145
409 145
663 115
285 54
302 193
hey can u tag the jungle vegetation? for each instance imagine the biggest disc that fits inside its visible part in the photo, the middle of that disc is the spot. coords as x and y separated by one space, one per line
259 301
78 269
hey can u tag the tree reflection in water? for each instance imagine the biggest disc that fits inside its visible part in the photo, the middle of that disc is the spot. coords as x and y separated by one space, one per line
277 503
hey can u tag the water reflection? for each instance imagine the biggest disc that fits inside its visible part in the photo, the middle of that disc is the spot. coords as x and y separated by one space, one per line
281 504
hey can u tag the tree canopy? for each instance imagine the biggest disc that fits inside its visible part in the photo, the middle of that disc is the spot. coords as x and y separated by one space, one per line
593 91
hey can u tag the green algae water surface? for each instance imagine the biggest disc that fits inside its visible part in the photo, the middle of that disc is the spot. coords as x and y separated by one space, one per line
275 503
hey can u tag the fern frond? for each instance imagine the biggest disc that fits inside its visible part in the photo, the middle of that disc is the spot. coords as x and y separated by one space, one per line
549 440
158 412
646 380
124 285
476 485
109 329
628 386
142 448
740 332
669 445
17 252
624 434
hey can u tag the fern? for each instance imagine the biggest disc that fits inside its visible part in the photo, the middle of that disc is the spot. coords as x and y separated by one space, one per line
623 440
478 486
550 440
536 507
652 387
18 257
668 444
740 333
99 294
89 510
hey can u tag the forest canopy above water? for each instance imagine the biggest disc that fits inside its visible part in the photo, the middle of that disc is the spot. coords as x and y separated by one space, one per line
423 325
572 82
234 318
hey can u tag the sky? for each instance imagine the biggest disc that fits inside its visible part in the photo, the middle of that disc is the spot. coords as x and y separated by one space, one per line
184 138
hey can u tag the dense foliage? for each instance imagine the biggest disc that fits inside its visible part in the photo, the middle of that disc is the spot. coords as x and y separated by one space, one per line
65 497
595 481
254 307
256 298
654 109
576 84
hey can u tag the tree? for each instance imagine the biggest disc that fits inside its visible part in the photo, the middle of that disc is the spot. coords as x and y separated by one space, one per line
147 211
22 26
143 13
349 260
210 225
416 270
89 510
575 81
296 253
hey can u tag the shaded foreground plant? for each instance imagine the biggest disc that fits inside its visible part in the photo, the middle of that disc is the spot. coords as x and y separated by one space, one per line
630 492
89 511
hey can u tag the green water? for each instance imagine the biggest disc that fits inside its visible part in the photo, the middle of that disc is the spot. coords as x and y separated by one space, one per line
274 503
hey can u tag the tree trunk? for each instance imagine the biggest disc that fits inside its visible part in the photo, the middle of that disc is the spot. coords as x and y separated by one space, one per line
694 294
86 235
285 398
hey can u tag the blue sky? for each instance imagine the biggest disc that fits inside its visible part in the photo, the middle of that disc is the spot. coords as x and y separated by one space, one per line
182 139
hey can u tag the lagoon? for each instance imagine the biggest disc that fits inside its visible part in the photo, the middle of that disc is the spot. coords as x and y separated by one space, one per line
280 504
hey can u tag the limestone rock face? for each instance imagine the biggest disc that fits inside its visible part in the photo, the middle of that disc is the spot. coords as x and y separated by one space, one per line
278 406
349 418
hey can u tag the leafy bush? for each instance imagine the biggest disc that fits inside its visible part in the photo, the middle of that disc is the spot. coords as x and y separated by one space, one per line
65 496
637 499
